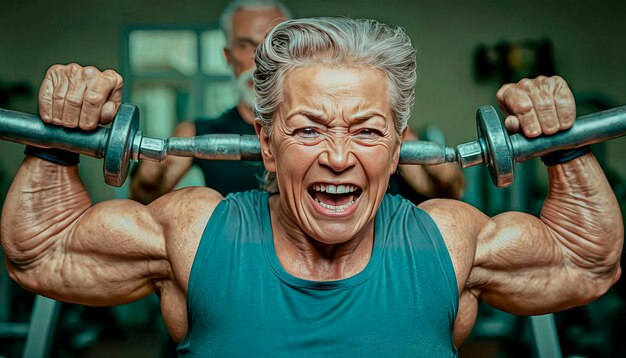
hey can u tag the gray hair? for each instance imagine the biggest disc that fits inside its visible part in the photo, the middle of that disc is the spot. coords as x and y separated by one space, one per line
226 17
353 43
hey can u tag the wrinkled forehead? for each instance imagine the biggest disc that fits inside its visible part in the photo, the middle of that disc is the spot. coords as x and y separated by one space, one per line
336 90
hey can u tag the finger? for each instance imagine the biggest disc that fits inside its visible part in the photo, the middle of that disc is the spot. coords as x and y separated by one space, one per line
500 94
565 105
545 109
74 99
46 92
521 106
45 100
60 85
96 95
512 124
110 108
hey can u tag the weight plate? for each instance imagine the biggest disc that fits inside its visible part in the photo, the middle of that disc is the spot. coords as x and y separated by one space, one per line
497 146
118 149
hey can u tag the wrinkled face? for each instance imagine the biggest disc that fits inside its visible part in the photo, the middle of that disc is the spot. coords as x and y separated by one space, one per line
333 147
248 29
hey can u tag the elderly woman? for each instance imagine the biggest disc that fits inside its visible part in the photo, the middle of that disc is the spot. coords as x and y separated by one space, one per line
327 264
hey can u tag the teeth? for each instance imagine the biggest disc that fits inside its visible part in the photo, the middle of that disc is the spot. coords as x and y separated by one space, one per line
335 189
336 208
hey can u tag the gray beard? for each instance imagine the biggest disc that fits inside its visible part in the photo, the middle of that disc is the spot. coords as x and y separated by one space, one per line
245 92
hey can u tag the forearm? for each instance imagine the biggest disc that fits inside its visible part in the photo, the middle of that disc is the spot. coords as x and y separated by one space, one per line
568 256
41 205
153 180
584 217
442 181
60 246
147 183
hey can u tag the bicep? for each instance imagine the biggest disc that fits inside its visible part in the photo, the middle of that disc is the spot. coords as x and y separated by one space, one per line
510 261
110 255
519 267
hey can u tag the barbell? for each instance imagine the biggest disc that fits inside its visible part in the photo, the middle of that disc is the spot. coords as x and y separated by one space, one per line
123 142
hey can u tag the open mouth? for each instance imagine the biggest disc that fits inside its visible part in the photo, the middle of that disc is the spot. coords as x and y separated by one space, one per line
336 198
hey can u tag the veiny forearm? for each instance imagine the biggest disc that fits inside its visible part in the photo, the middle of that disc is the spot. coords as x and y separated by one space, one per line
42 203
148 183
153 180
448 179
584 217
567 257
58 245
435 181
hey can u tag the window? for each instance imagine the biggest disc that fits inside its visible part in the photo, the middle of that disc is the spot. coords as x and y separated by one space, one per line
176 73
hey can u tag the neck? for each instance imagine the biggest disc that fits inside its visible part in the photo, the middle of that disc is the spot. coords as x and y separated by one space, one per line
246 113
305 257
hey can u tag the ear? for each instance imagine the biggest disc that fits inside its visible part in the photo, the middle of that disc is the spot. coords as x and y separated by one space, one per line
228 55
404 134
396 153
266 153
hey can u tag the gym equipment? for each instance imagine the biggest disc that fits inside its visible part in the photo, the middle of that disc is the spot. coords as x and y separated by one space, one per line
500 151
39 331
123 142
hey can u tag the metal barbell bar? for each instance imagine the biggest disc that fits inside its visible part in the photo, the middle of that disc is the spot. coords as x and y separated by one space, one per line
500 151
123 142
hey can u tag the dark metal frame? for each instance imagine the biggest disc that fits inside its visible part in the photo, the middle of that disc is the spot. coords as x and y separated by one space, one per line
198 80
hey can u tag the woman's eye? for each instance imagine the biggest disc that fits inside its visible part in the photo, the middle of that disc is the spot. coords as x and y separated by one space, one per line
307 132
368 133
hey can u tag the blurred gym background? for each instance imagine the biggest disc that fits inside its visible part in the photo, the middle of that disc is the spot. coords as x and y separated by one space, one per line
170 54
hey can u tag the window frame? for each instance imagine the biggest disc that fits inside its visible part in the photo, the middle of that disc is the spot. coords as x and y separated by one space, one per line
197 82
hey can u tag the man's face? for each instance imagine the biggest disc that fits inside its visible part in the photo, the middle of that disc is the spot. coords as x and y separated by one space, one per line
248 29
333 147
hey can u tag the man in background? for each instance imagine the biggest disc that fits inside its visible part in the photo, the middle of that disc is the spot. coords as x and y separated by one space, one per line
245 23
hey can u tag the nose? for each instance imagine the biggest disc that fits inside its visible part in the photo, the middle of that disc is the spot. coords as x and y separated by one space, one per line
338 155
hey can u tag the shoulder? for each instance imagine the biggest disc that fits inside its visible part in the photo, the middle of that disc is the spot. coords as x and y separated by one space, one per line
183 215
196 198
450 210
194 203
185 212
459 224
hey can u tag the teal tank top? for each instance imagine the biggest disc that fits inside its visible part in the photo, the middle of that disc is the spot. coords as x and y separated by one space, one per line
242 303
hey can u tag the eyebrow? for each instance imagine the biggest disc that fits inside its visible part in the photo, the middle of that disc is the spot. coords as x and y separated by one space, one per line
318 116
363 116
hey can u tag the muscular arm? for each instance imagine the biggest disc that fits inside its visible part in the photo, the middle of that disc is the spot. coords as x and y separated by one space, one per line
522 264
60 246
444 180
567 257
526 265
155 179
114 252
